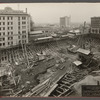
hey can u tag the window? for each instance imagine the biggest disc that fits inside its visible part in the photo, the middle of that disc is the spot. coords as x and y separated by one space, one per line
25 41
18 23
8 28
3 39
18 32
8 33
11 33
11 23
0 28
8 18
11 27
18 18
8 38
0 18
18 27
0 44
23 31
19 41
3 23
3 28
3 18
3 44
23 22
11 18
8 43
23 18
22 41
0 23
11 38
8 23
23 27
12 42
18 37
0 34
3 33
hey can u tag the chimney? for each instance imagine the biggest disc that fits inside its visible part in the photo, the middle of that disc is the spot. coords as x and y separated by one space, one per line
26 10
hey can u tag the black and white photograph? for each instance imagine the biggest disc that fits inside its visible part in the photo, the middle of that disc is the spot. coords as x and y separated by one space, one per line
50 50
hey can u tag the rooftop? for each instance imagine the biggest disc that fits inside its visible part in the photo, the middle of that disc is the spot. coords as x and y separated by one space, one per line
9 10
42 38
86 52
35 32
4 71
77 63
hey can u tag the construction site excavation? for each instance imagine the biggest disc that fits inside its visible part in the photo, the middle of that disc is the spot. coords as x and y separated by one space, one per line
46 60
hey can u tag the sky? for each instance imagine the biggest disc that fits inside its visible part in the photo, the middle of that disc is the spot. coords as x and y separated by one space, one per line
51 12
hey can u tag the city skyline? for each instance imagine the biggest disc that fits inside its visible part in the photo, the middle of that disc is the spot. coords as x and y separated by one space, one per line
51 12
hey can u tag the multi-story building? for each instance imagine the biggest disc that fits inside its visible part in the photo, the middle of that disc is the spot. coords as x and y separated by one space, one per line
65 22
95 25
14 27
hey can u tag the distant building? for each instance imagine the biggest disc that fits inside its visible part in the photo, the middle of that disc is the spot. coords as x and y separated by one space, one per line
65 22
95 25
14 27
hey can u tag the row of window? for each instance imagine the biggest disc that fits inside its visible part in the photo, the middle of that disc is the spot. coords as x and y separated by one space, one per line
10 33
10 38
2 23
9 43
23 18
95 31
23 32
9 23
3 33
11 18
22 23
23 36
3 28
23 41
23 27
3 18
10 28
3 39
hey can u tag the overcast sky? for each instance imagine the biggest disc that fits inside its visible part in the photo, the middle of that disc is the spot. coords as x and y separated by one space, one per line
51 12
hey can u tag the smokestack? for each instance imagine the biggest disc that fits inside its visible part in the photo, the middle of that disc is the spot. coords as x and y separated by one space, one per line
26 10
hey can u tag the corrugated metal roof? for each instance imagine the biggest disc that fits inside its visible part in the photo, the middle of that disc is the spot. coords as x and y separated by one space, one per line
77 63
86 52
35 32
49 37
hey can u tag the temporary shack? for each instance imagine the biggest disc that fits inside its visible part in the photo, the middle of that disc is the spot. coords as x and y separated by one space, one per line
77 63
85 56
41 56
83 51
4 71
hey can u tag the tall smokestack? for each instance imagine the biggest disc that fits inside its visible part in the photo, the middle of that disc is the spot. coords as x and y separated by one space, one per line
26 10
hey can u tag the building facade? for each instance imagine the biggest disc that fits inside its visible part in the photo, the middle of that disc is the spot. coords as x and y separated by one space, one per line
65 22
14 27
95 25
